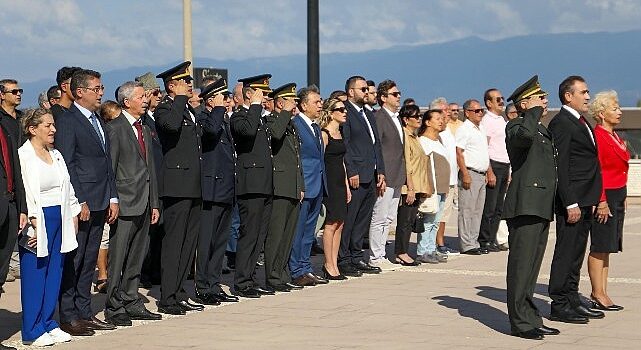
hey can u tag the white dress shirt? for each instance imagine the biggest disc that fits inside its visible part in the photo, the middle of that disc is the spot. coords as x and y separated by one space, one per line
473 140
131 121
397 123
578 116
87 113
361 112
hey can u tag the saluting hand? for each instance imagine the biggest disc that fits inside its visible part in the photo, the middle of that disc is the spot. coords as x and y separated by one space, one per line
217 101
289 104
181 88
257 96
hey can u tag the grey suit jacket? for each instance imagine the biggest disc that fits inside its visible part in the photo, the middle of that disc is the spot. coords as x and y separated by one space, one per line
392 145
136 180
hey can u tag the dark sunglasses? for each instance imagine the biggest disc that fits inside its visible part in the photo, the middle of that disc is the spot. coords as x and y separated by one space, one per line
414 116
478 110
498 98
395 93
364 89
155 92
15 91
339 109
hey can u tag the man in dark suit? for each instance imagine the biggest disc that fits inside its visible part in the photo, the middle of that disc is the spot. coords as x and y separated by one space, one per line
150 273
134 171
85 147
312 156
217 181
579 190
179 135
366 176
254 185
289 188
529 206
13 207
390 132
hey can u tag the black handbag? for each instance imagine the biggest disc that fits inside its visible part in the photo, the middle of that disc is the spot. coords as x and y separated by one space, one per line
418 226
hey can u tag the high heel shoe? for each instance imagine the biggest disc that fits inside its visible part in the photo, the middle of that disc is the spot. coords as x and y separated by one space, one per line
331 277
405 263
597 305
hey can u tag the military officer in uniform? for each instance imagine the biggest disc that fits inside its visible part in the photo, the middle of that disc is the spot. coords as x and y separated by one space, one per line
529 206
254 186
179 135
217 182
289 188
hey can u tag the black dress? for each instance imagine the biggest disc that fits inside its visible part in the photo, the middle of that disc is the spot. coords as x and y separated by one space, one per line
336 200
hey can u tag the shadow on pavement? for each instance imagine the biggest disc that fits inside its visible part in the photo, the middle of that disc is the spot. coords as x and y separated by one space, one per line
490 316
11 323
500 295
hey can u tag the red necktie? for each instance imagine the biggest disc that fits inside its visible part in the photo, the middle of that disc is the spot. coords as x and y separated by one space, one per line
582 119
6 160
141 140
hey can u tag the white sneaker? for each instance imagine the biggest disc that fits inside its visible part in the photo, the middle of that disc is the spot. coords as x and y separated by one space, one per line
59 336
383 264
43 340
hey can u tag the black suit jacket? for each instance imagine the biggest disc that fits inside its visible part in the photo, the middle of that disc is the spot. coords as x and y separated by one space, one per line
578 163
218 165
18 188
533 159
288 170
89 165
362 158
156 149
135 176
253 148
179 136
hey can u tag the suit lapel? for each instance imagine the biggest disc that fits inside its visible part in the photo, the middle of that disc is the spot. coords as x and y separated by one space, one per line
584 130
87 124
133 139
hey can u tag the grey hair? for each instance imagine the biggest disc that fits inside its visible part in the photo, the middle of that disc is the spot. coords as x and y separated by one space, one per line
126 90
303 93
601 102
467 103
437 102
42 98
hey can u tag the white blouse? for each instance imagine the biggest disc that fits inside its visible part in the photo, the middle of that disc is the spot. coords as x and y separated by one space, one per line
50 185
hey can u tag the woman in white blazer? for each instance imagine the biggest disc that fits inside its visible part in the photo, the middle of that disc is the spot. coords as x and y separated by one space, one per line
52 209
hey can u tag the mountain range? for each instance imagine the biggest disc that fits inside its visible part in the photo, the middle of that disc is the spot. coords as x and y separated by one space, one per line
457 70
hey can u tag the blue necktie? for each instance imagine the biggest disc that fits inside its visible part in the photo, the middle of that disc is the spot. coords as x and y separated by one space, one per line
94 122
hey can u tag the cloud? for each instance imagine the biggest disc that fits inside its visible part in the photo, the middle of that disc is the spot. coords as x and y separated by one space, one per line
39 36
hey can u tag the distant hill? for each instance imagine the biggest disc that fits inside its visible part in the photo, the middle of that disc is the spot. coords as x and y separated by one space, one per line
457 70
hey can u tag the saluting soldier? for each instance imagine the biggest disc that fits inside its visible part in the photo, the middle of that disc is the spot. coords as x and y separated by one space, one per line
289 188
529 206
179 135
254 186
218 167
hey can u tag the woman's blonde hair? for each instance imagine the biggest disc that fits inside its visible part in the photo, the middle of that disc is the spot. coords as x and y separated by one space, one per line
326 113
32 117
602 101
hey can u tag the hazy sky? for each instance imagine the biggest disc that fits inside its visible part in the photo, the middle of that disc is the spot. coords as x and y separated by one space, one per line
39 36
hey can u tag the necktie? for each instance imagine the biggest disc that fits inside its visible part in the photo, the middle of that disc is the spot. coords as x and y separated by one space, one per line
582 120
94 123
6 160
141 140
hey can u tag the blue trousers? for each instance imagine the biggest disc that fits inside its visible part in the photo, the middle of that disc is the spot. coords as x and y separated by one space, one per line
427 240
299 259
40 280
235 227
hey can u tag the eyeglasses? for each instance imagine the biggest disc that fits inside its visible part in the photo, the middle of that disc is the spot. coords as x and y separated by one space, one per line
14 91
395 93
478 110
96 89
339 109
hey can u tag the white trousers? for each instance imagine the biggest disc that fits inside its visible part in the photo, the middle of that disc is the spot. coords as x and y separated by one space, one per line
383 215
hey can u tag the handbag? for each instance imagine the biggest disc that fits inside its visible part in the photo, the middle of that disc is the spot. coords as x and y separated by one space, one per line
418 226
429 204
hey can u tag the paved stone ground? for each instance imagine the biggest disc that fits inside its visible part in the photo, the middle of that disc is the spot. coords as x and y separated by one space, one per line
456 305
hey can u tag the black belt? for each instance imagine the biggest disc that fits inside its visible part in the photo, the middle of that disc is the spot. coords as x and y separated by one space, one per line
476 171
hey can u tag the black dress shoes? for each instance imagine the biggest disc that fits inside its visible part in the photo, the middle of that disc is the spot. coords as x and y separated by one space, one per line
331 277
171 310
248 293
120 320
304 281
280 288
484 250
317 279
473 251
98 325
589 313
492 247
206 299
224 297
144 314
293 286
531 334
366 268
350 270
188 306
77 329
543 330
264 290
568 316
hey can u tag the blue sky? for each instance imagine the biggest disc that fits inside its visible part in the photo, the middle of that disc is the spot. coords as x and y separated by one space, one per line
39 36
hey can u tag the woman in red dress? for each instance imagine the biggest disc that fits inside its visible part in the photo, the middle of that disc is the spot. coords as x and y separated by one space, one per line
607 229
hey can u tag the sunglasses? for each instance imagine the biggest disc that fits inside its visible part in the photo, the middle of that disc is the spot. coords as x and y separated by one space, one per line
364 89
395 93
155 92
339 109
414 116
478 110
15 91
498 98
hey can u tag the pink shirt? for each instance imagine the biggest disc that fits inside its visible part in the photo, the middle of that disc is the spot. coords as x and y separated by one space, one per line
495 128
